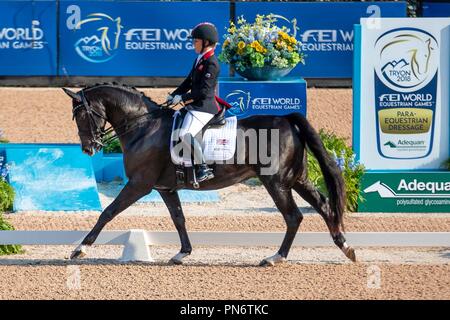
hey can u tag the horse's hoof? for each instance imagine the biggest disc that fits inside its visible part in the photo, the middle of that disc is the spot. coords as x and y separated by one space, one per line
79 252
175 262
265 263
178 258
350 253
272 261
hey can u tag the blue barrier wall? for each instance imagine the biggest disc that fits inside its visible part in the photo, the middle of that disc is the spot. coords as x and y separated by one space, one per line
326 30
28 38
149 38
132 38
433 9
250 98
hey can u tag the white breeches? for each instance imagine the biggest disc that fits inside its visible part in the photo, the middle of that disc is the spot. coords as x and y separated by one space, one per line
193 122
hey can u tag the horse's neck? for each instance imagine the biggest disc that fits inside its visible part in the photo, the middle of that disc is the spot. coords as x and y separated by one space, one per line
121 113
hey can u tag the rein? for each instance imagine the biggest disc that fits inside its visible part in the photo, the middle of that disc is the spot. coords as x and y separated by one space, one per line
98 134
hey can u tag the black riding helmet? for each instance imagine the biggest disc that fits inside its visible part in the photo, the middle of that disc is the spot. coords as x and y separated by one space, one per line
205 31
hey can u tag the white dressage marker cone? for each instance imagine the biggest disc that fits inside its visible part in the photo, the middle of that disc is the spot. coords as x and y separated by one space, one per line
136 249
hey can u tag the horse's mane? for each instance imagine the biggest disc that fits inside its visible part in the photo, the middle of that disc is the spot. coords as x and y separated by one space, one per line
139 95
120 86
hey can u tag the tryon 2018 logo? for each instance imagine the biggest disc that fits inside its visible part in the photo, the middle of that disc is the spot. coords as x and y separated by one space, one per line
240 102
408 59
99 35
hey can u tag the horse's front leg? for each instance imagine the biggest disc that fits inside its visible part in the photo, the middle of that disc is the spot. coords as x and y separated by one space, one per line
129 195
172 201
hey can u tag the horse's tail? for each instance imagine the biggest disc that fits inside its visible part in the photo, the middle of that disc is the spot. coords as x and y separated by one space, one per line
331 172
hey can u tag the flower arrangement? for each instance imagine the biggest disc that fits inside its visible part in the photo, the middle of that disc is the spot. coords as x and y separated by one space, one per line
260 44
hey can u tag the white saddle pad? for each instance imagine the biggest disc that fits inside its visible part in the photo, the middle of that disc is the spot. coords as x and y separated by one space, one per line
219 144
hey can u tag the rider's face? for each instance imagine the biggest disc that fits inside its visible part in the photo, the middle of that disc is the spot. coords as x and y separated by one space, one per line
197 45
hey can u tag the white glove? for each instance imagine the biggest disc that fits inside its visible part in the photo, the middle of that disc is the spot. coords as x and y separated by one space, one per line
169 98
176 100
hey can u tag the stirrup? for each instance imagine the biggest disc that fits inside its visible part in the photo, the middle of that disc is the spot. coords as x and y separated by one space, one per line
207 173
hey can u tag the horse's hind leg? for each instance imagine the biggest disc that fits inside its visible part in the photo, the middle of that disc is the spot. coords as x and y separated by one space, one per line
292 216
172 202
319 202
127 196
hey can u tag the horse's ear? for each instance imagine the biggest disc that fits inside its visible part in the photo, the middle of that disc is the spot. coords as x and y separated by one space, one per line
72 94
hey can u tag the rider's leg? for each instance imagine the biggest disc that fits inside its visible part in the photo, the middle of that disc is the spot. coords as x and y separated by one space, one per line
192 126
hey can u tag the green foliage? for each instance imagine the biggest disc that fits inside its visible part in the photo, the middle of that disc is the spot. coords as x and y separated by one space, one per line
6 196
446 165
113 146
8 249
345 158
6 202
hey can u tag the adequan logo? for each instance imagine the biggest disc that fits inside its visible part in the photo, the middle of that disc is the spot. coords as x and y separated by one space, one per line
102 45
408 59
433 189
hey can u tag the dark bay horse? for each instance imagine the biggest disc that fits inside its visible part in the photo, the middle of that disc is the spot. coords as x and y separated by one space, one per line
144 130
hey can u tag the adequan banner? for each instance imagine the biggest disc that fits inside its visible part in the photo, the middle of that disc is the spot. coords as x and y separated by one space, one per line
402 113
405 192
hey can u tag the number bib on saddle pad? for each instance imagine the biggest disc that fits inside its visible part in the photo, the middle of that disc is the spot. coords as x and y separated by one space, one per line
219 144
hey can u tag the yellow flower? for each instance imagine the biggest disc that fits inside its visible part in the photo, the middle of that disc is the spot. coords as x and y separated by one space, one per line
290 49
283 35
258 47
241 46
226 43
280 44
293 40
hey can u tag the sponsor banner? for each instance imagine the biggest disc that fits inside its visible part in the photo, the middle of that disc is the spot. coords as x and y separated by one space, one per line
125 38
250 98
325 29
436 9
28 38
404 78
405 192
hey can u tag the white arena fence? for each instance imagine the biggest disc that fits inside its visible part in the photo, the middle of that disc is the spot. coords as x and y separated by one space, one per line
136 242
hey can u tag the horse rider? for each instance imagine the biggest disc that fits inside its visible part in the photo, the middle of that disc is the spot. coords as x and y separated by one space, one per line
197 93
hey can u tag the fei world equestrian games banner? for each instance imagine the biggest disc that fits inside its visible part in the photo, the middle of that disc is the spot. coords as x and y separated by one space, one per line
28 38
401 93
124 38
325 29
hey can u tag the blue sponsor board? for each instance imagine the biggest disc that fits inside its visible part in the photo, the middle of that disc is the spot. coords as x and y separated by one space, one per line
250 98
28 38
124 38
433 9
325 30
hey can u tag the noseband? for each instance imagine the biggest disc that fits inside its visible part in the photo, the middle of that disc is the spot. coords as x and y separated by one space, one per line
96 133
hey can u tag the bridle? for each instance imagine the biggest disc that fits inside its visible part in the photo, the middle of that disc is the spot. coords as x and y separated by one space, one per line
97 134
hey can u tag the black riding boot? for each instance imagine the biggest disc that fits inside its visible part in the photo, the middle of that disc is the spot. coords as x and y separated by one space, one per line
202 171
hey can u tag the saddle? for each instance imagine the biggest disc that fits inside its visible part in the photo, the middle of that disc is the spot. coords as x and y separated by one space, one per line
218 121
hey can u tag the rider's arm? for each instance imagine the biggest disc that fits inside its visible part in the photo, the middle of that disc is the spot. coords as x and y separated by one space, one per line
184 87
207 83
